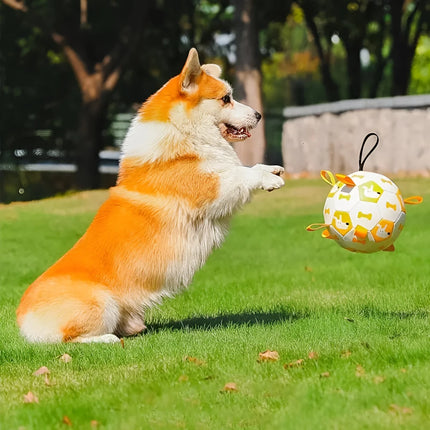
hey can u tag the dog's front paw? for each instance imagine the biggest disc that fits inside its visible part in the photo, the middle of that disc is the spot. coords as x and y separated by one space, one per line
270 181
275 170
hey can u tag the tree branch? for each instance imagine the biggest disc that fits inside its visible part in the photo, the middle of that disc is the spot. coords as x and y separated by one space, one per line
417 34
410 19
329 84
127 41
16 4
103 76
75 60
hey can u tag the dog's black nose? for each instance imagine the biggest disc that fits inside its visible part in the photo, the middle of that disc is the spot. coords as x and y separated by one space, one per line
257 115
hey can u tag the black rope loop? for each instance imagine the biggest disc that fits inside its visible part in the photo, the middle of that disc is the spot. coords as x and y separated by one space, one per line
360 161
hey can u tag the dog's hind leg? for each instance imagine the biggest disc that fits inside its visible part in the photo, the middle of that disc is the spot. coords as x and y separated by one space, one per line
130 324
83 314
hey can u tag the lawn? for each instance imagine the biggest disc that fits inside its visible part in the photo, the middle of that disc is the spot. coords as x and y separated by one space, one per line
352 331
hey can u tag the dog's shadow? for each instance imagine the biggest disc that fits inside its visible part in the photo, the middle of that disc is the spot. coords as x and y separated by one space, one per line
246 318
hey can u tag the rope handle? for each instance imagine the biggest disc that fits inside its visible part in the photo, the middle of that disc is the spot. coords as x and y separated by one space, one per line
360 159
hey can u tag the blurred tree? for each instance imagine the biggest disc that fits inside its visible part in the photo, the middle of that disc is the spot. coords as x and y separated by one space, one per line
317 15
32 75
420 73
97 50
408 21
248 77
370 25
250 19
290 71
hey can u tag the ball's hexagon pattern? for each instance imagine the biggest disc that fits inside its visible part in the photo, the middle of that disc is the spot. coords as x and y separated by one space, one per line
370 192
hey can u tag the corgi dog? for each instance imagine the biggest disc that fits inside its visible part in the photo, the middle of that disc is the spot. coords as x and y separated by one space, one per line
179 182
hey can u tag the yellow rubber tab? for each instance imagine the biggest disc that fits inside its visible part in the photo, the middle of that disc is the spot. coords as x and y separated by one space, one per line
360 232
327 235
413 200
345 179
316 226
390 248
328 177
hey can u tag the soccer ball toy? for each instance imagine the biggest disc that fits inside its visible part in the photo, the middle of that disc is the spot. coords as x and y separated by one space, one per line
364 211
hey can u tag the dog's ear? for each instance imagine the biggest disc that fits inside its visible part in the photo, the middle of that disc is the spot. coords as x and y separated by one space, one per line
191 72
212 70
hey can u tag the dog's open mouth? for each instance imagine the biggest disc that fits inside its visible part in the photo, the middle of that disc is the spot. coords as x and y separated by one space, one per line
234 134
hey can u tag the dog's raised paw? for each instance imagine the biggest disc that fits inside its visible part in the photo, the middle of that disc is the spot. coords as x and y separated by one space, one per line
274 169
271 181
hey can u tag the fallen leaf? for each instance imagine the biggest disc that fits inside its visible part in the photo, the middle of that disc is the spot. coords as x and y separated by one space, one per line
308 269
229 387
296 363
313 355
194 360
378 379
346 354
183 378
359 371
349 319
66 358
122 342
66 420
400 409
47 380
403 370
30 398
325 375
268 356
41 371
94 423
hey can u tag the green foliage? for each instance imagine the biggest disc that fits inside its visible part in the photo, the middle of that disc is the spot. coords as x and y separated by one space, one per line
290 72
271 286
38 89
420 75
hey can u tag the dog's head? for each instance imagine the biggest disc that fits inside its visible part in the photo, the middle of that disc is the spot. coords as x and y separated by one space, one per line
197 101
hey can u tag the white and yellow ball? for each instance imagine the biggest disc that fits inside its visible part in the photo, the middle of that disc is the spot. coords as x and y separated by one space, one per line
364 212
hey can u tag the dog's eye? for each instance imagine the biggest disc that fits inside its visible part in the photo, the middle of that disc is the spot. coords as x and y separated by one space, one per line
226 99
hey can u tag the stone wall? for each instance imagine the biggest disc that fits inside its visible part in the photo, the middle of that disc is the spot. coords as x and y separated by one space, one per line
332 141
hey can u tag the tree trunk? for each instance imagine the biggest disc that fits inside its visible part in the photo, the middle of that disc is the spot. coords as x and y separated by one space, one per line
398 50
378 73
248 79
89 144
331 88
402 65
405 36
381 61
353 64
96 80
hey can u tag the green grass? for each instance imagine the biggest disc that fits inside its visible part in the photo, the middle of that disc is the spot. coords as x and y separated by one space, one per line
271 286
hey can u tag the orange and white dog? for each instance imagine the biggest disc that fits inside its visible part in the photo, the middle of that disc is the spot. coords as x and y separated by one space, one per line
179 183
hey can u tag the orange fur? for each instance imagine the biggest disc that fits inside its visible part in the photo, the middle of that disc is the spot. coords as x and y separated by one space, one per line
157 107
117 253
180 178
